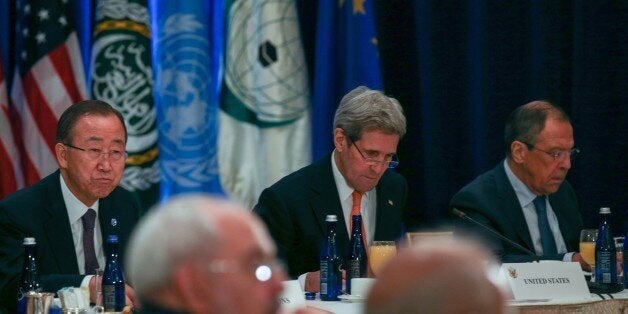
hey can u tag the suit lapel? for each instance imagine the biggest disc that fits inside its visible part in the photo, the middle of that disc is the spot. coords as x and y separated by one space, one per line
57 228
561 215
510 204
108 219
385 206
326 201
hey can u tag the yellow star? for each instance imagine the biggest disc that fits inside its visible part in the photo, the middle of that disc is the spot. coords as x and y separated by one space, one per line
358 6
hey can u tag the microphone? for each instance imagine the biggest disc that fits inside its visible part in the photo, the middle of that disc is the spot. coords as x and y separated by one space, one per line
460 214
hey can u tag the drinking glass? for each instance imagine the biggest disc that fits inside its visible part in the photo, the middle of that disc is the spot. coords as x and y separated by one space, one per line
98 306
587 248
379 253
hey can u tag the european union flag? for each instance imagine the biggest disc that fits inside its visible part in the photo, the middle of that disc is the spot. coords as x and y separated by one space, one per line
346 57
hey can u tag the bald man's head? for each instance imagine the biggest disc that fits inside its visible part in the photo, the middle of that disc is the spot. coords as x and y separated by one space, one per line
437 277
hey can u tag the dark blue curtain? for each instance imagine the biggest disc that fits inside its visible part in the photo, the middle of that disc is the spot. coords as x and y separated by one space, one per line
460 67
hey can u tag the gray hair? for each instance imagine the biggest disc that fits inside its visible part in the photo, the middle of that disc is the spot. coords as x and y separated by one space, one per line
173 232
364 109
526 122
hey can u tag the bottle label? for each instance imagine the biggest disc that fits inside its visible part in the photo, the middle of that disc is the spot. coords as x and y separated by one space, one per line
606 267
324 271
109 297
354 269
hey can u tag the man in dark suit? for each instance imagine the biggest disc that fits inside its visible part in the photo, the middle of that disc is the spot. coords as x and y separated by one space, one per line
526 197
367 129
90 151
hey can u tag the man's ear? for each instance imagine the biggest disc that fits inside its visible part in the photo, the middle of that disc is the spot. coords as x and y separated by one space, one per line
61 152
192 287
340 139
518 151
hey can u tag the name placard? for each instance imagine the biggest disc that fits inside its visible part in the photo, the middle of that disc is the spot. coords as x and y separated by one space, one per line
546 280
292 297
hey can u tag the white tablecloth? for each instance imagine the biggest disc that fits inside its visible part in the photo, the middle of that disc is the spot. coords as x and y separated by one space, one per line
340 307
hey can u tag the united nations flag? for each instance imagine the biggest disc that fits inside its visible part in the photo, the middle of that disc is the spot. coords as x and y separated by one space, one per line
187 39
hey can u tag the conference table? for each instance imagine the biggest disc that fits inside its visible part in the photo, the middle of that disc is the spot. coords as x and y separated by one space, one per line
598 303
604 303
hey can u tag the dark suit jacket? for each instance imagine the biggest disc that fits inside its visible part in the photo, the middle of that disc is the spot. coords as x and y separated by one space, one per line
294 210
491 200
39 211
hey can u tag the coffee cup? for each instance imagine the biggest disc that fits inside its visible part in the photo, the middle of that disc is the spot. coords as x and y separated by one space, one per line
361 286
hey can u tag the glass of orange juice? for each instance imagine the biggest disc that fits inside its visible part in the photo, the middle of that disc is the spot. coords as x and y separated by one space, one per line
587 247
379 253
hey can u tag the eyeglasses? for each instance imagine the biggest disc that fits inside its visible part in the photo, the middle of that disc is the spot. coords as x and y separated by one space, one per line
559 154
391 163
261 271
95 153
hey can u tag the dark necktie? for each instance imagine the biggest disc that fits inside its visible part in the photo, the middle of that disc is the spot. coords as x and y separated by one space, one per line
91 262
547 237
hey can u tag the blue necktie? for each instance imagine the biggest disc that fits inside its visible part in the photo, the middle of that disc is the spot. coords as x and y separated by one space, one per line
547 237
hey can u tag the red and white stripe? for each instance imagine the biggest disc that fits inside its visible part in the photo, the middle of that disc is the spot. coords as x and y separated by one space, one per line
11 178
55 82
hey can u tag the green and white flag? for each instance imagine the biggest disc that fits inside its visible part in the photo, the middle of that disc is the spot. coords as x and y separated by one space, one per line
122 76
265 125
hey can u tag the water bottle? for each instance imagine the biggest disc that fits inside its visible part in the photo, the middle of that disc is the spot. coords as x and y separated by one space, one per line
605 252
330 264
113 279
29 280
357 260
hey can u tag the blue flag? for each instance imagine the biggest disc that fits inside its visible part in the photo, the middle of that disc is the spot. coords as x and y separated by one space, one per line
346 57
187 60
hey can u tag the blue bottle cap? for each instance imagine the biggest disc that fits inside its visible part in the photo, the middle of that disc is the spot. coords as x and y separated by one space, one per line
310 295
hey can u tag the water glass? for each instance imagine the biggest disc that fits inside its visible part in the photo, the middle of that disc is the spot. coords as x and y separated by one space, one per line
98 306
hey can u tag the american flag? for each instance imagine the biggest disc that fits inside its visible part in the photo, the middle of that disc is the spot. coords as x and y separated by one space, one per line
48 78
11 173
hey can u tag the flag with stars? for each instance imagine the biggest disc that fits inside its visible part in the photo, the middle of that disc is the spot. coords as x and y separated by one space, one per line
11 178
346 56
48 79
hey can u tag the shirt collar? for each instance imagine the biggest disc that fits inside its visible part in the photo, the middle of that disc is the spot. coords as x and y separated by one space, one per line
344 190
76 209
524 194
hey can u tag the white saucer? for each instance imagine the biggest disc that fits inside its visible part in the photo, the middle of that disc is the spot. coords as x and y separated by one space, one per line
352 298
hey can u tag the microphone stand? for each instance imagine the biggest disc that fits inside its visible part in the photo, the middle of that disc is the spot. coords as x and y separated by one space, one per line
460 214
